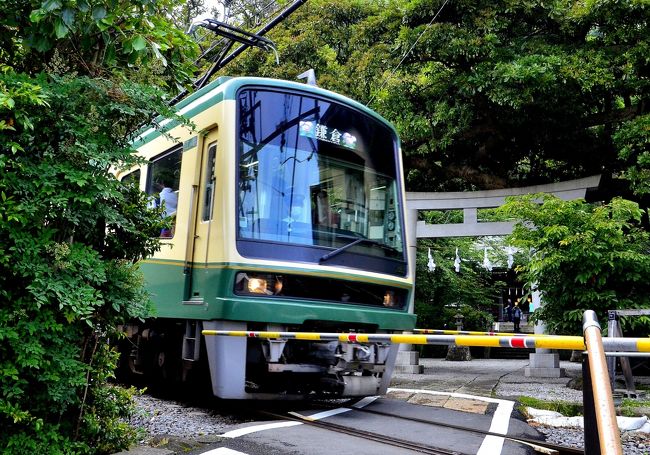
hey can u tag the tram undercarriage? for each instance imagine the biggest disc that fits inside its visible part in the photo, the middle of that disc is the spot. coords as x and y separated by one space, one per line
306 367
245 368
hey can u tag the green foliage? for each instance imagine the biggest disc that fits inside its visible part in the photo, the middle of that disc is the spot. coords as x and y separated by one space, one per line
440 294
633 143
630 407
583 257
327 45
489 94
104 426
70 233
134 38
563 407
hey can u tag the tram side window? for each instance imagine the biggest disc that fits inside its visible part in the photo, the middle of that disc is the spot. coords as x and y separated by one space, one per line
132 178
208 200
163 182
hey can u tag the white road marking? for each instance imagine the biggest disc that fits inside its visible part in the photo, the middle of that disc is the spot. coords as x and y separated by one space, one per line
500 423
223 451
501 419
271 426
491 445
256 428
321 415
364 402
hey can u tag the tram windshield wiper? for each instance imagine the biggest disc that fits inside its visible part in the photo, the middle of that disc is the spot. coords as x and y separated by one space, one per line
341 249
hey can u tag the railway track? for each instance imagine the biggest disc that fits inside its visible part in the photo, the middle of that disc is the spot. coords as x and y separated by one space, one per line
284 412
536 445
366 435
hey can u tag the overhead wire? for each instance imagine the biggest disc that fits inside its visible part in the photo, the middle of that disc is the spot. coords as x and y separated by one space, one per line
409 50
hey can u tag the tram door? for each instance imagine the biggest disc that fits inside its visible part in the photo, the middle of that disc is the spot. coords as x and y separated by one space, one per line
200 259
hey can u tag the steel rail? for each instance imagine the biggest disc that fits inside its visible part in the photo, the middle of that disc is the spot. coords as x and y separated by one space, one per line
366 435
603 401
538 446
574 343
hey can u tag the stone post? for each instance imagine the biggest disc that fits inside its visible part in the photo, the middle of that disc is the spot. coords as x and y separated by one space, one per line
408 360
544 363
458 353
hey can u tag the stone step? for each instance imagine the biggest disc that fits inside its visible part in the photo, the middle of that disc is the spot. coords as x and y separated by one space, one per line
509 327
408 362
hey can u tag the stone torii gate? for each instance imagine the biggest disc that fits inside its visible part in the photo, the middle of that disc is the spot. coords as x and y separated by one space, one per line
542 364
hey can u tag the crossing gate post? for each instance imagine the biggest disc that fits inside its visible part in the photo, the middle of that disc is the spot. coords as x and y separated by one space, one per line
592 441
614 331
599 412
612 323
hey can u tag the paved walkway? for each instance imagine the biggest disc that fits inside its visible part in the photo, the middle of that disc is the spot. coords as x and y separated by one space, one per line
499 378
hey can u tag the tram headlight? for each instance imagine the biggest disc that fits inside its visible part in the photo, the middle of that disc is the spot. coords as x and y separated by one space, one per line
261 284
257 286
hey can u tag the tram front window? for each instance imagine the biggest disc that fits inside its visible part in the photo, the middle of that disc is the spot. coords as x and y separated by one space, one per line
314 172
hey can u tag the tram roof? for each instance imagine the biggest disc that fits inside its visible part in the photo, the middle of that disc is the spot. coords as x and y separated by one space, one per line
225 88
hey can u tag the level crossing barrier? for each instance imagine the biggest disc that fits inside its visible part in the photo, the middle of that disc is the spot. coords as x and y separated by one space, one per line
574 343
473 332
596 391
601 430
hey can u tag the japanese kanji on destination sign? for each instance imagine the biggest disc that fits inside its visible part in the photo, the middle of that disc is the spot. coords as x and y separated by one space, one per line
323 133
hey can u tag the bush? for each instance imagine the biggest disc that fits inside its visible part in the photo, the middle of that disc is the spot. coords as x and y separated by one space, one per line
70 235
584 257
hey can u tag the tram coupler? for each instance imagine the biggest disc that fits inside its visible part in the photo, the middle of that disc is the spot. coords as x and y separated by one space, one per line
273 350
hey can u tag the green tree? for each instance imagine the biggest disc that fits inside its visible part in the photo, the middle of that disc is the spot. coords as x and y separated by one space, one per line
69 236
70 233
249 13
443 292
633 144
133 39
582 256
515 93
484 94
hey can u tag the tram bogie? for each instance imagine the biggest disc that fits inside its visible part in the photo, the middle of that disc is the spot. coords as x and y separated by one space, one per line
287 210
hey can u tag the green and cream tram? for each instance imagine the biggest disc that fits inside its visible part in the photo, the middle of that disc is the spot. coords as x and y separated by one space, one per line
287 205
